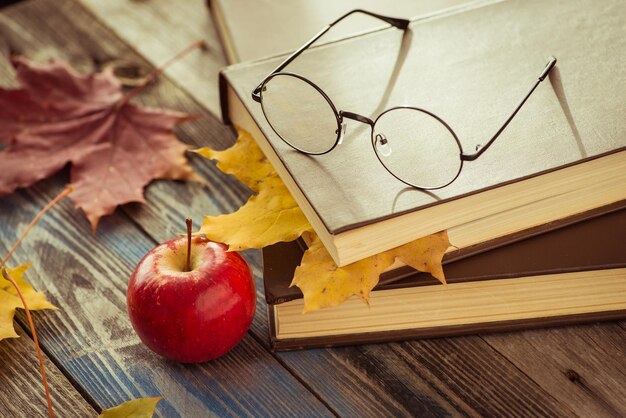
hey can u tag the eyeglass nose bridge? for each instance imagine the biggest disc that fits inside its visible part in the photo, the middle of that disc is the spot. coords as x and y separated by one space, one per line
357 117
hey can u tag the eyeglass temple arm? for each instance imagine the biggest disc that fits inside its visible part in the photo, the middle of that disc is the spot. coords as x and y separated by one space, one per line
397 22
542 76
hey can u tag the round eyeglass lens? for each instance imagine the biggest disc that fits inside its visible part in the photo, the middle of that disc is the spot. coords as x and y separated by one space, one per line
417 148
300 114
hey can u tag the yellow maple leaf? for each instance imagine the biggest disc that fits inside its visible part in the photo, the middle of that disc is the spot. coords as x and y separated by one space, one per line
9 300
270 216
424 254
323 284
136 408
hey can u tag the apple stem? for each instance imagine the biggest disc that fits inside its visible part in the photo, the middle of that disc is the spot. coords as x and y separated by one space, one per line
189 226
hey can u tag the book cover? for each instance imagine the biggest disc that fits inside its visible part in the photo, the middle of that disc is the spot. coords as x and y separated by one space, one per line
563 154
281 259
564 266
286 25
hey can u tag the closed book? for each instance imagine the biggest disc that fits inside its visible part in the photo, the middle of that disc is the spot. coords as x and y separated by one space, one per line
564 153
573 274
254 29
278 275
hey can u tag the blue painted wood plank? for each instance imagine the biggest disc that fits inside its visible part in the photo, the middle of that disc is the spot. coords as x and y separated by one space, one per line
91 338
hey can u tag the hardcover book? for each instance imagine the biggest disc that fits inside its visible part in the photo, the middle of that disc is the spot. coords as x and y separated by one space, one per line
573 274
286 25
563 154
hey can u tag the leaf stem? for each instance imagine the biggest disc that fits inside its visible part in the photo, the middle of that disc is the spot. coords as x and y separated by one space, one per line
156 73
189 226
53 202
44 379
8 277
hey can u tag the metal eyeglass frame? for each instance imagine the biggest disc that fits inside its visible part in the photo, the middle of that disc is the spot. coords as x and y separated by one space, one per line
403 24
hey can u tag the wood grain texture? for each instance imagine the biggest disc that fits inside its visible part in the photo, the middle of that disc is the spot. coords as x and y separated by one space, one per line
22 392
91 337
583 366
87 276
367 386
439 377
158 29
169 202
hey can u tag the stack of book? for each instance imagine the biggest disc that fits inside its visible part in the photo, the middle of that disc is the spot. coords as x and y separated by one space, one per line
538 223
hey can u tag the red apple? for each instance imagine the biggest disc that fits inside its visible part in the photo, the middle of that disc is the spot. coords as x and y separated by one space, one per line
193 314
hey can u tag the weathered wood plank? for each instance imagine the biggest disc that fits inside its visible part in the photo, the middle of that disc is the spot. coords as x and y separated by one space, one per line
425 378
378 388
401 379
22 392
91 338
157 29
170 202
583 366
378 379
156 219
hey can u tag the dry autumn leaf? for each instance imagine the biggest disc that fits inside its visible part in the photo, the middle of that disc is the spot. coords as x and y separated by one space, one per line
9 300
16 292
323 284
13 286
137 408
270 216
115 148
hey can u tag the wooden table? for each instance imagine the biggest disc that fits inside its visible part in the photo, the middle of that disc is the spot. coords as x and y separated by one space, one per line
96 361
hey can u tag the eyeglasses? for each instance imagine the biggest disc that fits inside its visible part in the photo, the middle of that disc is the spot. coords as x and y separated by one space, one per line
414 145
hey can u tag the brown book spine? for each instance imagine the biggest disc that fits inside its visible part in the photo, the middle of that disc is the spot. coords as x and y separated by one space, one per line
281 260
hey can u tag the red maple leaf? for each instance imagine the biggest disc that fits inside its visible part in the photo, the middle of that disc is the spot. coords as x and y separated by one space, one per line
115 148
